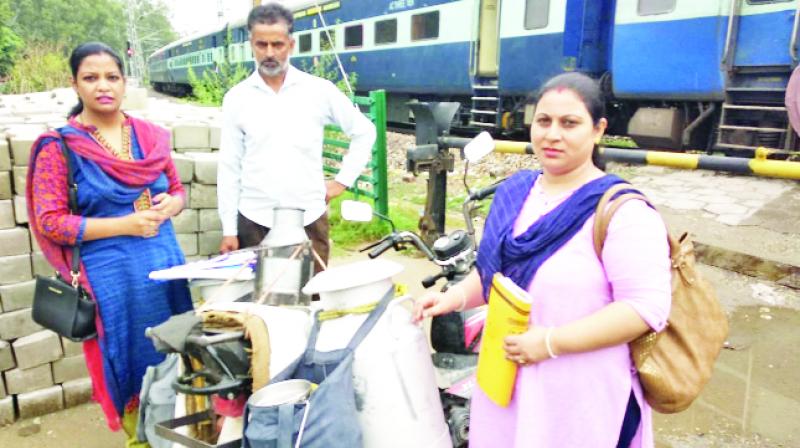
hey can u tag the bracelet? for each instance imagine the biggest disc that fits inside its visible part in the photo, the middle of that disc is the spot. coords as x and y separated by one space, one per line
547 343
463 298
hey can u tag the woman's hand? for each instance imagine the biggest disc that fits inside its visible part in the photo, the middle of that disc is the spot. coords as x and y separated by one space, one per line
145 223
527 348
436 303
167 204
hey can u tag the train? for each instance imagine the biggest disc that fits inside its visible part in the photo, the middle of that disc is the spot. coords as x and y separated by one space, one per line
677 74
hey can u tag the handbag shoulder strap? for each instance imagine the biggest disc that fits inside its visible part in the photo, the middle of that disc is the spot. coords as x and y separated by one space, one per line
606 209
72 201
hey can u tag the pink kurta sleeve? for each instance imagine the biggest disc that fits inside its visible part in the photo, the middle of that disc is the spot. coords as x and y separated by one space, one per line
636 261
51 208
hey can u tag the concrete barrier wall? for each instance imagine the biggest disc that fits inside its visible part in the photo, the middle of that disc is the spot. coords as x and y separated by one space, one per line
39 371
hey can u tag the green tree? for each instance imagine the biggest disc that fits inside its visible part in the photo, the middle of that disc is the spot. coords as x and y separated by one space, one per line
68 24
153 26
10 42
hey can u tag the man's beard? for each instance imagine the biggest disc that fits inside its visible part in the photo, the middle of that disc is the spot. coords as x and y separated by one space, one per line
275 70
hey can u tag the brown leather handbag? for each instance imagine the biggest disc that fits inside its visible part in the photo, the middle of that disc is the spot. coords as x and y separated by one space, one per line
675 364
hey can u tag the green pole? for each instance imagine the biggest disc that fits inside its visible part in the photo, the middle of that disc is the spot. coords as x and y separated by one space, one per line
378 110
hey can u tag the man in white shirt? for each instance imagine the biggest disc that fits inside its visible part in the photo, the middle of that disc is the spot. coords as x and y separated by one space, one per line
271 148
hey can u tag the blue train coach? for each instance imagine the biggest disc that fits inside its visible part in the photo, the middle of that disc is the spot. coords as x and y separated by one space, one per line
703 74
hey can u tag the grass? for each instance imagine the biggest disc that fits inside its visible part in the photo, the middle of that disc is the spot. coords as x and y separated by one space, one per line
406 205
349 236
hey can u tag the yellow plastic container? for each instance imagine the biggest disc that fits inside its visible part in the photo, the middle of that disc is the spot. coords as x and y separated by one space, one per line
509 308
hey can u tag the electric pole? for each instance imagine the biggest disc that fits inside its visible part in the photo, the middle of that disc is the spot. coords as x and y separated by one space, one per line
134 50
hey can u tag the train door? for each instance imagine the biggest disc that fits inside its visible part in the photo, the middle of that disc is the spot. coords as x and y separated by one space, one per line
587 28
759 54
762 35
488 39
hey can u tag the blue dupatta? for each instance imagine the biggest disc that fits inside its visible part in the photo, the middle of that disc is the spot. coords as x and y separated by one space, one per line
518 258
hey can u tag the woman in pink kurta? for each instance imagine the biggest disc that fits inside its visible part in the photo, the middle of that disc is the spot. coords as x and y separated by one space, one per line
576 382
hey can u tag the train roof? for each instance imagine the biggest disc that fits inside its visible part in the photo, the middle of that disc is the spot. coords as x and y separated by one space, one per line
292 5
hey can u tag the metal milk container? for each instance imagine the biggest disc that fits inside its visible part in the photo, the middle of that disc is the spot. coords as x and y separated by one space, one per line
284 261
396 394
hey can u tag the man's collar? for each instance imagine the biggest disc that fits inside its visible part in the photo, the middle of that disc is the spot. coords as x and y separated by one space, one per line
292 77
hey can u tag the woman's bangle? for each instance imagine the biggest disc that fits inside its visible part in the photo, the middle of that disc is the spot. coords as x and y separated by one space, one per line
547 343
463 298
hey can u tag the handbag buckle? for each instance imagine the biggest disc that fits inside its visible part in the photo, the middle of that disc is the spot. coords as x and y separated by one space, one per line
75 276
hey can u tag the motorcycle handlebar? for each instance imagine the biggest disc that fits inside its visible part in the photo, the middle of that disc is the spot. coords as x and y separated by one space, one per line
382 247
484 192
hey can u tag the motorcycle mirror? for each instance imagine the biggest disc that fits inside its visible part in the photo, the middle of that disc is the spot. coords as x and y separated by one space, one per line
479 147
356 211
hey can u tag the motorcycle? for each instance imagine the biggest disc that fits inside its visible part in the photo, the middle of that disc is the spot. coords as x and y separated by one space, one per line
456 336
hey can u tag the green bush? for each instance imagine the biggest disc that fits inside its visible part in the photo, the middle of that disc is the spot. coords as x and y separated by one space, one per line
213 85
40 67
10 44
326 67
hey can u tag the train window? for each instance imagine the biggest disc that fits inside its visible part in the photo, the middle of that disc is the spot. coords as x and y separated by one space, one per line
385 31
652 7
425 26
305 43
326 44
764 2
354 36
537 14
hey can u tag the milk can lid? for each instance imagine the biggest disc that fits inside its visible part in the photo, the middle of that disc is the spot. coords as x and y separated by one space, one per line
352 275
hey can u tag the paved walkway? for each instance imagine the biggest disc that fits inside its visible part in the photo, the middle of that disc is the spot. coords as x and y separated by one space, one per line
745 214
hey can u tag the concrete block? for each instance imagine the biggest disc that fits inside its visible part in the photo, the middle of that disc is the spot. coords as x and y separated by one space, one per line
6 357
41 266
21 147
77 392
17 296
19 381
15 269
203 196
135 98
7 415
6 190
186 221
20 210
14 241
71 348
17 324
205 167
40 402
20 179
191 136
214 134
70 368
209 219
185 166
35 244
193 258
37 349
187 188
193 150
188 243
7 218
5 154
208 242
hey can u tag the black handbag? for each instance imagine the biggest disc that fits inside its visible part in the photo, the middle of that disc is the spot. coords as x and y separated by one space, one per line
61 306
